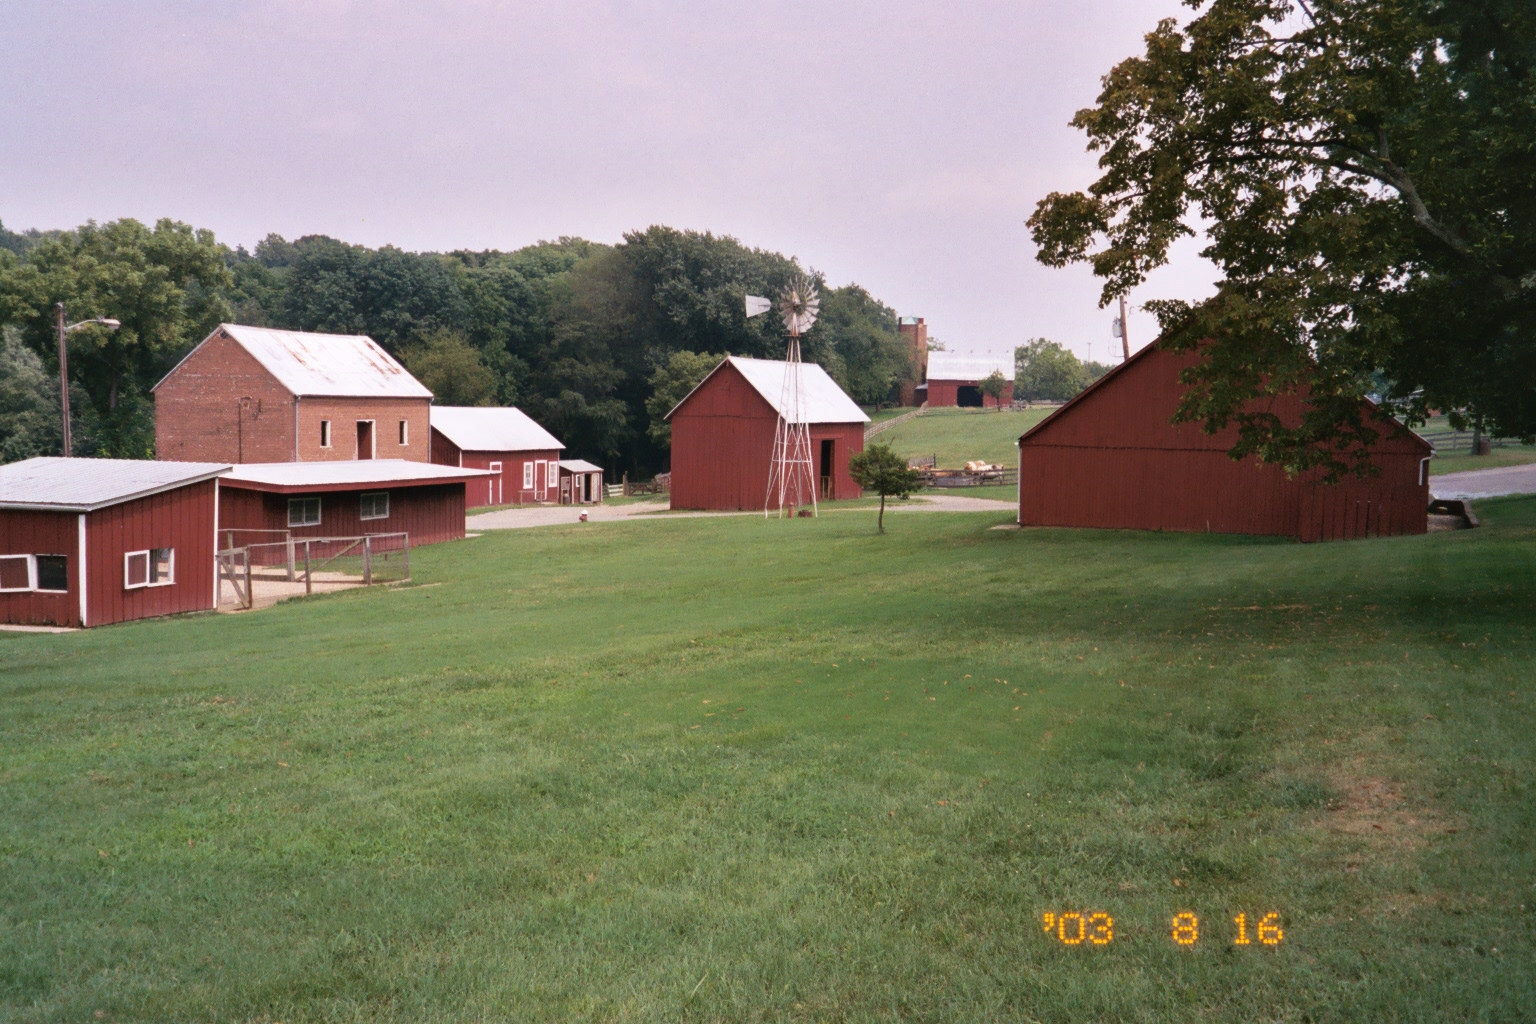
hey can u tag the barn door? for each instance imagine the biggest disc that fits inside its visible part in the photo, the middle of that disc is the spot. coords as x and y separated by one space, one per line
365 439
493 484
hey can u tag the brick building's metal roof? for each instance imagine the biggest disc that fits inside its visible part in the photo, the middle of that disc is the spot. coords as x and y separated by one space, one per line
325 365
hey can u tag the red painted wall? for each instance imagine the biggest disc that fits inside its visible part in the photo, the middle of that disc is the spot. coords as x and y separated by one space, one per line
509 488
722 442
181 519
429 513
947 393
1111 459
42 533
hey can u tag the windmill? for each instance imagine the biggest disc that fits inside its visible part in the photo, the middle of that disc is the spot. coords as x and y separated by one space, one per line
791 474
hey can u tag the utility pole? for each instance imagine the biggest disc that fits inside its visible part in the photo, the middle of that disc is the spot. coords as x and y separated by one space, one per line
58 309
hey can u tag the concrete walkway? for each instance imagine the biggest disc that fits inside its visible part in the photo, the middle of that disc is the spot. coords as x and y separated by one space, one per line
1485 483
556 515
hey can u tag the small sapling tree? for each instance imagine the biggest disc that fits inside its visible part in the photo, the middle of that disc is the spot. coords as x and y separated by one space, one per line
881 470
993 385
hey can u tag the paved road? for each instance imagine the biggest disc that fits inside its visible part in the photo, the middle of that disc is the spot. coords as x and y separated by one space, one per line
555 515
1485 483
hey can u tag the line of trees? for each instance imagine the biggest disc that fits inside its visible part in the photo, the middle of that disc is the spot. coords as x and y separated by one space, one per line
1046 372
592 340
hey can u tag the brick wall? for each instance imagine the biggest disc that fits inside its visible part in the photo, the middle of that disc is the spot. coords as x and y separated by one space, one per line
386 414
200 415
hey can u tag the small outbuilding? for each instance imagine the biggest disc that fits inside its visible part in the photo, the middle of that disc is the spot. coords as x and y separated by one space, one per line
581 483
263 502
955 380
88 542
519 456
722 434
256 394
1112 458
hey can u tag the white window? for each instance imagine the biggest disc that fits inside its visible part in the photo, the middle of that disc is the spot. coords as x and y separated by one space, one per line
405 431
373 505
325 433
17 572
527 476
155 567
52 572
553 479
303 511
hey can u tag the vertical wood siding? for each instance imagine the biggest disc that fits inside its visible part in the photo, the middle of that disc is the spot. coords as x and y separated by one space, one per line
1113 460
181 519
430 513
722 442
41 533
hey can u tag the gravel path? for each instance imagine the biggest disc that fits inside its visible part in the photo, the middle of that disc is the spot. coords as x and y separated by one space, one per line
1485 483
555 515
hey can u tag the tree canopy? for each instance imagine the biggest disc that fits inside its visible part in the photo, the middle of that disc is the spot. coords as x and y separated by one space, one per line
1365 174
878 468
1046 372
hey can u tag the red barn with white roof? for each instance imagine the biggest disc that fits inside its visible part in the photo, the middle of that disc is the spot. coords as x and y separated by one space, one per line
345 499
521 457
955 380
255 394
88 542
722 435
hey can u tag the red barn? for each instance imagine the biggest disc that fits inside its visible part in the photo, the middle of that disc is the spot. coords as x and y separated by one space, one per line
955 380
87 542
521 457
254 394
1111 458
345 499
722 435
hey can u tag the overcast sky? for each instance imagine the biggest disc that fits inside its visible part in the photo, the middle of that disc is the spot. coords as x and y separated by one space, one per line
898 145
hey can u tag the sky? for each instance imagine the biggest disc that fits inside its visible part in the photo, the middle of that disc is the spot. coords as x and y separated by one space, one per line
897 145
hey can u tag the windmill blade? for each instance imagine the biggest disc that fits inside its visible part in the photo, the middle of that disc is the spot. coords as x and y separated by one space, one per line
798 305
757 304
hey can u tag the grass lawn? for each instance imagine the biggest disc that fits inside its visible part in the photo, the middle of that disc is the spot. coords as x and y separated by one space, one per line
732 769
959 435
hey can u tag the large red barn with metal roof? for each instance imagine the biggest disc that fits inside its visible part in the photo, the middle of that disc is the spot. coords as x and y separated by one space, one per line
88 542
722 435
1112 458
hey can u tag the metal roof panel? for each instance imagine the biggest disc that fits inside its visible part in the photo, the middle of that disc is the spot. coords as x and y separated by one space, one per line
84 485
485 429
952 366
329 365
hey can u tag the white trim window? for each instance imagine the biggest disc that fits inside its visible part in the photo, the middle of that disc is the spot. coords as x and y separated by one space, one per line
405 432
325 433
303 511
527 476
553 479
153 567
17 573
373 505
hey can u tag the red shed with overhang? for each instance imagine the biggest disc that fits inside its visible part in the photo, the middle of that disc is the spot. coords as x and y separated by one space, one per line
88 542
520 457
1112 458
722 434
344 499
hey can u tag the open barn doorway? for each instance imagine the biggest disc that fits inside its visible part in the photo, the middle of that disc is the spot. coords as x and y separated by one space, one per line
968 396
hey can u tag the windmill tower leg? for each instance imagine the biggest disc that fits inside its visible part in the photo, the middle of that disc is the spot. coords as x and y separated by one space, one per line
791 474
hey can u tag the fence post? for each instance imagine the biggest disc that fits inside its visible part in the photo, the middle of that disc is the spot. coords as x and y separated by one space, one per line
407 542
367 561
250 598
309 587
288 547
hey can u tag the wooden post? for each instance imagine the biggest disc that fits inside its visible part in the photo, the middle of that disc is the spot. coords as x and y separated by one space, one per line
309 587
406 540
367 561
250 598
288 539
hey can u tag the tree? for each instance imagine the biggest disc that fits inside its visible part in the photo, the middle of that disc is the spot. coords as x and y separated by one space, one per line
1046 372
1364 172
993 385
451 369
670 384
879 469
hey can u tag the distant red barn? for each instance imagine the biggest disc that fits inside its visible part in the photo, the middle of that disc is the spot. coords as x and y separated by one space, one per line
345 499
521 457
87 542
1111 458
722 435
955 380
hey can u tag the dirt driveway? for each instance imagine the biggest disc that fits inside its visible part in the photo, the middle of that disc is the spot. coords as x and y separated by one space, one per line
1485 483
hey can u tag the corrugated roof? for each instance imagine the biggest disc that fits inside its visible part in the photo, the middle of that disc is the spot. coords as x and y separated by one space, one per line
579 466
821 400
491 429
328 365
355 472
83 485
952 366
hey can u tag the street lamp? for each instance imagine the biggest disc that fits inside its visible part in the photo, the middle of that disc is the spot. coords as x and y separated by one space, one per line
110 324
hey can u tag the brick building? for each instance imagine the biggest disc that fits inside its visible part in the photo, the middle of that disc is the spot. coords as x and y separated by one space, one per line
915 333
254 394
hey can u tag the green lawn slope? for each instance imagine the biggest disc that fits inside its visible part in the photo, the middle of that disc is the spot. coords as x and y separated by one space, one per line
790 770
